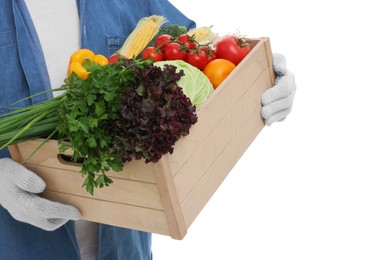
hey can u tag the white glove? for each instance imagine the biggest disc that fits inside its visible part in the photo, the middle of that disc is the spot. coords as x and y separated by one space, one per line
278 100
18 194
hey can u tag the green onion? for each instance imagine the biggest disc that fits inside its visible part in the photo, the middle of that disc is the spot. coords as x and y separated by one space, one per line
34 121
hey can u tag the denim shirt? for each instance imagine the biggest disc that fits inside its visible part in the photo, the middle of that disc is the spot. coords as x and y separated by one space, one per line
23 73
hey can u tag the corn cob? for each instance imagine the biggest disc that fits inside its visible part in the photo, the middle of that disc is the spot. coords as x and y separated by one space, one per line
140 37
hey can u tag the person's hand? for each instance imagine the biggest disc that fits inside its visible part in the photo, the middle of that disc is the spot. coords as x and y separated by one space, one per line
19 188
278 100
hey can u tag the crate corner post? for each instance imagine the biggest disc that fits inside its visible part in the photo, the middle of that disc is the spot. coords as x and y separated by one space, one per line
168 192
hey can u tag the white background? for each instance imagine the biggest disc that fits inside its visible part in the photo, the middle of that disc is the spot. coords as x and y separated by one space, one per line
317 185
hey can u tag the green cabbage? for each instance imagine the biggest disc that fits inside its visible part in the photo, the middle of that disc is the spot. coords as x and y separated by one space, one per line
194 83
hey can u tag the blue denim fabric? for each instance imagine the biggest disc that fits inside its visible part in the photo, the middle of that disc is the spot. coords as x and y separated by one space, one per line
104 27
22 241
132 244
19 47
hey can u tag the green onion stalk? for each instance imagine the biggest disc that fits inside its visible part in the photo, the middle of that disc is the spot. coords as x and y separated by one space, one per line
38 120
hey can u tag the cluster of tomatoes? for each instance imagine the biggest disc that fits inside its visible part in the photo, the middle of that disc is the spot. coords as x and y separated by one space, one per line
183 47
216 61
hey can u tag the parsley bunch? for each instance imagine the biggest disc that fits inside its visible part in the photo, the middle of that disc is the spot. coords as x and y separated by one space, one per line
125 111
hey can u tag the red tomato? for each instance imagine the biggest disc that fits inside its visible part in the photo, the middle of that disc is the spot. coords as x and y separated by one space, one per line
197 58
152 53
187 40
162 41
232 48
174 51
113 59
209 52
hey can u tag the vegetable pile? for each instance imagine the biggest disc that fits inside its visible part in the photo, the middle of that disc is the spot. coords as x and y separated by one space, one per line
117 109
200 47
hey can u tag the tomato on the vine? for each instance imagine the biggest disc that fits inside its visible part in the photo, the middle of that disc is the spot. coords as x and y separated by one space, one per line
152 53
187 40
162 41
113 59
209 52
174 51
197 58
232 48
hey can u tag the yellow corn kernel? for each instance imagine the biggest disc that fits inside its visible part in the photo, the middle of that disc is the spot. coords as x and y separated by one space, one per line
141 36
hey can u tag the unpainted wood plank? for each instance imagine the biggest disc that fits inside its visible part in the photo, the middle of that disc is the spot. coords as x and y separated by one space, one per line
49 156
218 105
170 201
217 140
121 190
213 178
117 214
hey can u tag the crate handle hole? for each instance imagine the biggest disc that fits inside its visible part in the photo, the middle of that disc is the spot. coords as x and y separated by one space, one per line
67 159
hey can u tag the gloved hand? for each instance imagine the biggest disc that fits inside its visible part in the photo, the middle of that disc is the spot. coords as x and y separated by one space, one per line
278 100
19 188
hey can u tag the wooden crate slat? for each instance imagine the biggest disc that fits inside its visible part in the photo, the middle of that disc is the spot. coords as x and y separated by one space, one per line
121 191
217 105
117 214
215 143
206 186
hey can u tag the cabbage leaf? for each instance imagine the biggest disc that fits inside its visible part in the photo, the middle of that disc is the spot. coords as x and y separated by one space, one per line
194 83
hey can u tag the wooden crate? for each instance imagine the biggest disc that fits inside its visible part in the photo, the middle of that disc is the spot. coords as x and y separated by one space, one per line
166 197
